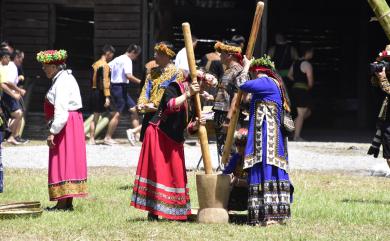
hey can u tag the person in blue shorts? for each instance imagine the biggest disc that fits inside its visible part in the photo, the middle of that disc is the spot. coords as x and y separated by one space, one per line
121 74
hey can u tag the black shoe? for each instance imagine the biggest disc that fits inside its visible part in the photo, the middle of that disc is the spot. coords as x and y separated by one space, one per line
152 217
21 140
56 208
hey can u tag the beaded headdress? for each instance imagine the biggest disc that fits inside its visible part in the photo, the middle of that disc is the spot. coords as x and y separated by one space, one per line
163 48
230 49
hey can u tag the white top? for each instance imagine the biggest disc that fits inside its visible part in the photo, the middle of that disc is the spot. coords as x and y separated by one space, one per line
64 94
181 61
12 73
120 66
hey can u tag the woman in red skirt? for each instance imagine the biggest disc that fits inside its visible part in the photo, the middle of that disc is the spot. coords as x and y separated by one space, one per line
67 153
160 185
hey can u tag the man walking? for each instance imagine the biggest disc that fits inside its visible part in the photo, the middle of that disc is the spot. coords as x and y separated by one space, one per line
121 74
12 105
100 97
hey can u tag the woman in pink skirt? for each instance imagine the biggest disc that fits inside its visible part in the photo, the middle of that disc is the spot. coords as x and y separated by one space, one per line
67 152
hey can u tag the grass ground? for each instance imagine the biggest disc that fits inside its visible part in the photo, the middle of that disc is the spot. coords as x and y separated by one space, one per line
327 206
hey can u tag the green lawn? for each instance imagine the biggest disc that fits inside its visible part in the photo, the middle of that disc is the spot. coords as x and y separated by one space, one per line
327 206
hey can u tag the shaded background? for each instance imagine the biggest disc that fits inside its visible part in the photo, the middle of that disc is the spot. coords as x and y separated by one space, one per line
344 39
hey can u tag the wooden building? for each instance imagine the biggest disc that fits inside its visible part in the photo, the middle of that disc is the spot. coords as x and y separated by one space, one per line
81 27
344 40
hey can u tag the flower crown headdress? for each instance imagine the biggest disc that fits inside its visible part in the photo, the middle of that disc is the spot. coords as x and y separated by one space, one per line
267 66
384 54
163 48
264 61
221 47
241 136
52 56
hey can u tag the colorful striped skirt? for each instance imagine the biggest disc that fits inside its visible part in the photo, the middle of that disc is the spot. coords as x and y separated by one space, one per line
160 185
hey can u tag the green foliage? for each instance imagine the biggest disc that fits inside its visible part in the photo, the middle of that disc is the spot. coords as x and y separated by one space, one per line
264 61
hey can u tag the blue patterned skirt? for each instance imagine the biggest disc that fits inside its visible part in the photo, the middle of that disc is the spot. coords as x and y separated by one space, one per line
270 194
270 190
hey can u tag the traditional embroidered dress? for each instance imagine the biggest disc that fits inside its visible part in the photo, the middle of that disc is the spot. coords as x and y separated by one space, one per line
227 87
160 185
156 82
266 158
67 159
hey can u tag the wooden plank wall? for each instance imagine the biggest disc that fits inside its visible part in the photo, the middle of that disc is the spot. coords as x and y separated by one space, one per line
26 25
119 23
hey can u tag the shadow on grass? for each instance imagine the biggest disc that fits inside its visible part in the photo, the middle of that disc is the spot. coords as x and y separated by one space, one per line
363 201
161 220
238 219
126 187
136 220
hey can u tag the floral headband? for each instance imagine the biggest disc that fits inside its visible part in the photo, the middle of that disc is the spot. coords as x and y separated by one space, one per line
162 48
52 57
384 54
221 47
264 61
241 136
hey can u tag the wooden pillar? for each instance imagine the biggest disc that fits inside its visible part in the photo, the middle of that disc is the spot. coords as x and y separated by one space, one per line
382 12
236 106
202 133
264 30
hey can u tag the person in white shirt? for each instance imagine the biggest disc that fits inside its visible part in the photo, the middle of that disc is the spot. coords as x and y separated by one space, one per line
11 105
121 74
14 107
66 141
181 61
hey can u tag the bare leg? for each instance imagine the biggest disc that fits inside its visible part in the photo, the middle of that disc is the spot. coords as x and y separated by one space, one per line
134 119
299 122
308 113
135 123
11 122
15 126
112 127
388 162
92 128
19 124
137 129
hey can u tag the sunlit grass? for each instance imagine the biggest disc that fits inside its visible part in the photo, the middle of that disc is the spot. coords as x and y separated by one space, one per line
327 206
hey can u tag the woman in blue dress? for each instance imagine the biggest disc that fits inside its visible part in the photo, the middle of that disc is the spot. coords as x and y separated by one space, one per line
266 157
